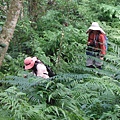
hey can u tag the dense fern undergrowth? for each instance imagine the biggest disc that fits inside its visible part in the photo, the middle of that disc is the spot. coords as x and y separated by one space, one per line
57 36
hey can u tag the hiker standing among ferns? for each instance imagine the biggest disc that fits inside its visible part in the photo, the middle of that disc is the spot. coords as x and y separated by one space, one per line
96 48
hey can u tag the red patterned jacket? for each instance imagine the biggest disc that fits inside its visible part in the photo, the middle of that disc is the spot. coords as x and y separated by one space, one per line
100 43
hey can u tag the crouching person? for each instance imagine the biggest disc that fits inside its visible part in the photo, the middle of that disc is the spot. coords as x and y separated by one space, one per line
37 67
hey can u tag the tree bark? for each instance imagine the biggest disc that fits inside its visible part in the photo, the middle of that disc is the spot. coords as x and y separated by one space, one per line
9 27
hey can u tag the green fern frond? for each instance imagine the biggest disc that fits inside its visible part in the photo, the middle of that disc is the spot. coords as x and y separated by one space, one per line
15 102
111 10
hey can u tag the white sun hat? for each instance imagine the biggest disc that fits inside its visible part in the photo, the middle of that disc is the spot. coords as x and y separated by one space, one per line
95 26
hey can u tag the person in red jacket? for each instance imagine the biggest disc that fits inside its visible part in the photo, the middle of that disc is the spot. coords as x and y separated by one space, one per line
96 48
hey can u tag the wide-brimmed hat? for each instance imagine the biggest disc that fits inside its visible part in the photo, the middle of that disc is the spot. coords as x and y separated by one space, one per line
29 62
95 26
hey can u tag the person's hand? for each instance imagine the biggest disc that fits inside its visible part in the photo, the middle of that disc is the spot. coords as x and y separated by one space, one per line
101 58
25 76
88 43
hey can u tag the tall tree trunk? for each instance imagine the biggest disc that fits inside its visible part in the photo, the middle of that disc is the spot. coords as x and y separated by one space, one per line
9 27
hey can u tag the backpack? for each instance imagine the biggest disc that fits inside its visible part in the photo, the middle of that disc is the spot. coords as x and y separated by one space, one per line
50 72
106 40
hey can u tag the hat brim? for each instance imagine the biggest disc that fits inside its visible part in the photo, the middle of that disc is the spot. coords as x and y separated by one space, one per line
27 67
95 28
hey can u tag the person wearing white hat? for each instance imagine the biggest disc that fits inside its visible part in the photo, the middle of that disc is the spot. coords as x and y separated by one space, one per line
96 48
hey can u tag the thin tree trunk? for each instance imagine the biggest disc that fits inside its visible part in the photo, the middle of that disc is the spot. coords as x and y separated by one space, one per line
9 27
33 9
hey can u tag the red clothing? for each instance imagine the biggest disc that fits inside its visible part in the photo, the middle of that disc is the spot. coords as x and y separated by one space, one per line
100 43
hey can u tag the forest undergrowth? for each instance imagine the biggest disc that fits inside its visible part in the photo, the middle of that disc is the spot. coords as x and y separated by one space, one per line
55 32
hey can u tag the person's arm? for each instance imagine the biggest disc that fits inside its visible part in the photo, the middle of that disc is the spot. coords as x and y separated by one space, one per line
90 39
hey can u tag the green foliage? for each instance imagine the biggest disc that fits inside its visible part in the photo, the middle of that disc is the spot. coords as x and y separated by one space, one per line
15 65
80 94
23 43
109 12
54 98
58 37
11 100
